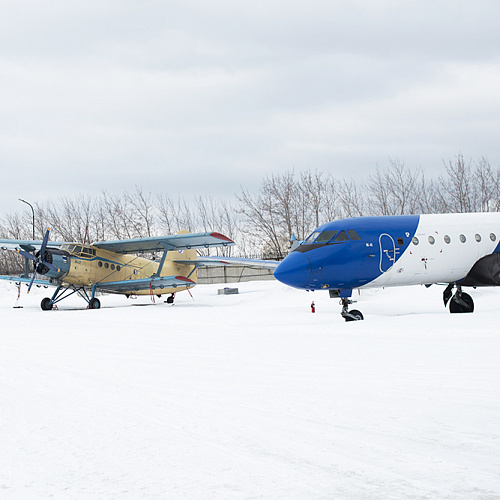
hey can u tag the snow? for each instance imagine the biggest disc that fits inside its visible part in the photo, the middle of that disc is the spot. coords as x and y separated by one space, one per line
250 396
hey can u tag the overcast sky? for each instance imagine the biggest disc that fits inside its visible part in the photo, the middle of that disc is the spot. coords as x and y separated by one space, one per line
206 96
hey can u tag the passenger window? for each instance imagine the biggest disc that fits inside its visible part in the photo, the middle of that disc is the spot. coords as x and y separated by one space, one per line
113 267
478 237
414 240
431 240
325 236
118 268
401 242
99 264
447 239
106 265
463 239
342 236
493 237
353 234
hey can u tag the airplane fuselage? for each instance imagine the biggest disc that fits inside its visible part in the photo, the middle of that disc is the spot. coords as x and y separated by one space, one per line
85 265
366 252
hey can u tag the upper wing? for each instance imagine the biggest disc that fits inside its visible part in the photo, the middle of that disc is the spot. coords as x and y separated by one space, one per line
160 243
145 284
27 245
231 261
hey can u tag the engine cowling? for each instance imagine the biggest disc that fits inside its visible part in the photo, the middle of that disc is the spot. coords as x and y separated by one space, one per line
58 258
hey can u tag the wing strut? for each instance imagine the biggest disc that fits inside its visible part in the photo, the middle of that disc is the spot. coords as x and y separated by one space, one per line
162 261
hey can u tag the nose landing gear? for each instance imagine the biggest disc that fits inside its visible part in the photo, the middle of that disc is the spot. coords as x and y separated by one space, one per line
345 302
354 314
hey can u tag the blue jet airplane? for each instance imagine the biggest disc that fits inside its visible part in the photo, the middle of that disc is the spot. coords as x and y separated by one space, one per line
456 250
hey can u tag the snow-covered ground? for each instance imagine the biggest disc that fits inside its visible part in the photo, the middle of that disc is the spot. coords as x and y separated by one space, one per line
250 396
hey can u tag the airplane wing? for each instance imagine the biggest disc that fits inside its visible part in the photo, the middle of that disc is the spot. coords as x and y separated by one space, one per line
27 245
160 243
156 284
19 279
230 261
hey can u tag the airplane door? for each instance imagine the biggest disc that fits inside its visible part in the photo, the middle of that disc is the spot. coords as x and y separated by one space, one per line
387 252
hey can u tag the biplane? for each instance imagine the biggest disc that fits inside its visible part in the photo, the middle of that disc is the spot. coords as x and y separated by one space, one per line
114 266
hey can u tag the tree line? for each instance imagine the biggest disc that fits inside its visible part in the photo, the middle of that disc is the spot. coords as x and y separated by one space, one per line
263 222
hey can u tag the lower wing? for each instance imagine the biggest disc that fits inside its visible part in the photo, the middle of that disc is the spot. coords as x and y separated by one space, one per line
155 284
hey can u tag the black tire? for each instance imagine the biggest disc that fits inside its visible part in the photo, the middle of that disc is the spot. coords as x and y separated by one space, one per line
46 304
467 307
170 300
355 316
94 303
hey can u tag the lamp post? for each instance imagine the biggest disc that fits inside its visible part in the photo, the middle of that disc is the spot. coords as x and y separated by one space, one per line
26 268
33 212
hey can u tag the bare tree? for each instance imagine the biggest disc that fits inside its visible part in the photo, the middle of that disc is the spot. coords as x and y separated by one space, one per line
261 218
487 181
457 190
352 202
394 190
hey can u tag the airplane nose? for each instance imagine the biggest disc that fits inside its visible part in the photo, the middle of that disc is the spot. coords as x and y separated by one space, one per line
295 270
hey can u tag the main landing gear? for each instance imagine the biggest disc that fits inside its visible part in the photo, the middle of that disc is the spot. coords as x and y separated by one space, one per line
460 302
63 292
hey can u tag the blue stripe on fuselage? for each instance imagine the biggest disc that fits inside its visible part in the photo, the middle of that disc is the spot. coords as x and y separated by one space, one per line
349 264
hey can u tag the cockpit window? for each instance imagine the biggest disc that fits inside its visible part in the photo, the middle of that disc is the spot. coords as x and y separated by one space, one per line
342 236
87 252
310 239
326 236
353 234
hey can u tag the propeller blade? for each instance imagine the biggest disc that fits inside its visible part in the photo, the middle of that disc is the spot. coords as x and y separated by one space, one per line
26 254
44 242
31 282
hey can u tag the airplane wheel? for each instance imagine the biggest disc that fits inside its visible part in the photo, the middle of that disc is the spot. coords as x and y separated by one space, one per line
355 315
46 304
94 303
467 305
170 300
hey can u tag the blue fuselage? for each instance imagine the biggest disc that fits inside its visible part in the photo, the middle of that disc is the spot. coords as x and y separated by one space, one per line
390 251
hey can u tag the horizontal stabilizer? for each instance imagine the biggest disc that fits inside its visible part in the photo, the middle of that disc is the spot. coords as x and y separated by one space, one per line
231 261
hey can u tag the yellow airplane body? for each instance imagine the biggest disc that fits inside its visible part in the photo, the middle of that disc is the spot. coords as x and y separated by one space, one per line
91 265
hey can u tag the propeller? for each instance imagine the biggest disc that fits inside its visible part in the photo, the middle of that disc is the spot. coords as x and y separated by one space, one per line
39 259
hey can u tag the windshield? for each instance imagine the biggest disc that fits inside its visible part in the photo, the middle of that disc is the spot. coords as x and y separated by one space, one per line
326 236
312 237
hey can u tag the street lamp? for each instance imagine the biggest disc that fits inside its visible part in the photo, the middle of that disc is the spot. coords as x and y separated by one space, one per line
33 212
26 269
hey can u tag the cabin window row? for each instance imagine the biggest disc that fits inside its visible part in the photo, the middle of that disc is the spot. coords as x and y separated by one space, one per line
447 239
107 265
